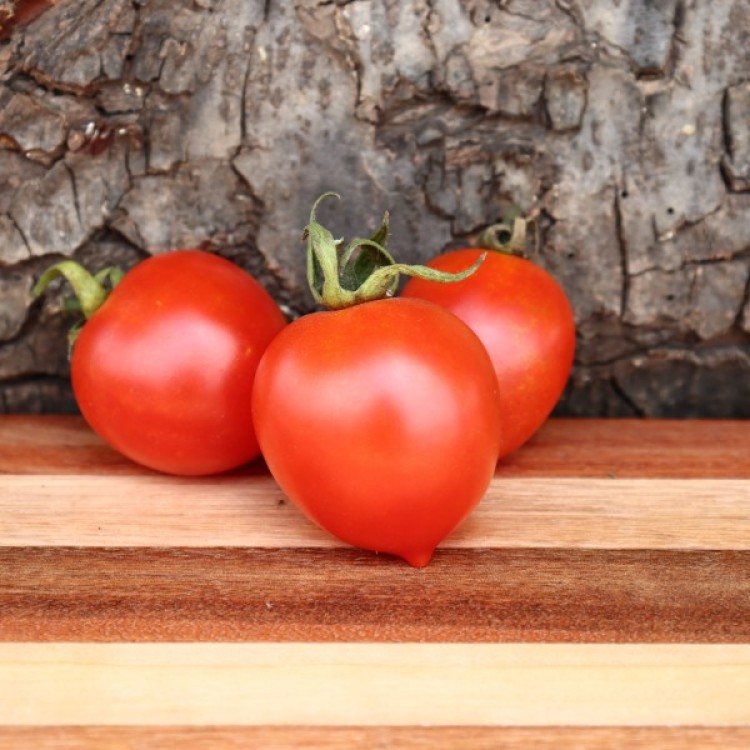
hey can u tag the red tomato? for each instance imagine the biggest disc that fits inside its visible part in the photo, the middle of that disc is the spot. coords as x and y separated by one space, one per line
525 321
164 369
381 422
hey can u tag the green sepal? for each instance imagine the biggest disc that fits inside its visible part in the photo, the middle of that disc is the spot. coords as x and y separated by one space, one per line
71 305
90 290
507 237
320 265
387 277
110 276
381 236
364 271
357 267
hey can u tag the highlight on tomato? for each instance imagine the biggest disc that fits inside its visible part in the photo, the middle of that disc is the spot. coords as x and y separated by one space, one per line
378 417
164 365
524 319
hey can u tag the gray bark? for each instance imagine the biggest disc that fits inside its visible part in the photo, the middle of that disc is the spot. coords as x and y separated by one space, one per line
131 127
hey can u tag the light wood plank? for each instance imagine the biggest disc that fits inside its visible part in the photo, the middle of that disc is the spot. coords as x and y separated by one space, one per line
383 738
250 511
374 684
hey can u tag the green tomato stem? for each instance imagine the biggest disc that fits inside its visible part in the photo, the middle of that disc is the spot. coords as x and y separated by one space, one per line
378 285
88 289
364 271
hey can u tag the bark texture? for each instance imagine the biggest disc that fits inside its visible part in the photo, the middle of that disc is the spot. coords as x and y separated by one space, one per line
130 127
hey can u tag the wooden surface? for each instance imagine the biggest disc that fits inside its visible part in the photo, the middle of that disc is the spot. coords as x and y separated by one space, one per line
598 597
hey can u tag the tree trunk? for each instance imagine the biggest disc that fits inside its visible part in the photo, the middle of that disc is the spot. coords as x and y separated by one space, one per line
130 127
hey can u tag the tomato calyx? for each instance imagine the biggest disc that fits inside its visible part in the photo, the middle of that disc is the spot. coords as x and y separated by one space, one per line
364 271
508 237
90 290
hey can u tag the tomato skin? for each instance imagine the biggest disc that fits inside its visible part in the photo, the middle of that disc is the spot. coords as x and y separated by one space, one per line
525 321
380 422
163 370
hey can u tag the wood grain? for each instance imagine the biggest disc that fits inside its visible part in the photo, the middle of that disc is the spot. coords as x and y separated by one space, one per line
250 511
345 595
604 580
374 684
625 448
382 738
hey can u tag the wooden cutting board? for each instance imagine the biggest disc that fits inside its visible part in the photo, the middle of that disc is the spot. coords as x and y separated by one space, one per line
598 597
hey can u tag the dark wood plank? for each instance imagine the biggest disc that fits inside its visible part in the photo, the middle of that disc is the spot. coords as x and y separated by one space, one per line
635 448
55 444
346 738
215 594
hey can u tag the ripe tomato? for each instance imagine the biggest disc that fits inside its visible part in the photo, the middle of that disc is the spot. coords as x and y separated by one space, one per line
381 422
164 369
525 321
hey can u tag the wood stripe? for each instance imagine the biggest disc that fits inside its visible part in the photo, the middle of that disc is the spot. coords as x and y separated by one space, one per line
250 511
53 444
373 684
343 595
246 626
635 448
403 738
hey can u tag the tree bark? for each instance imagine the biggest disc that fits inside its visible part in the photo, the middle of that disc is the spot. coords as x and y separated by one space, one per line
130 127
